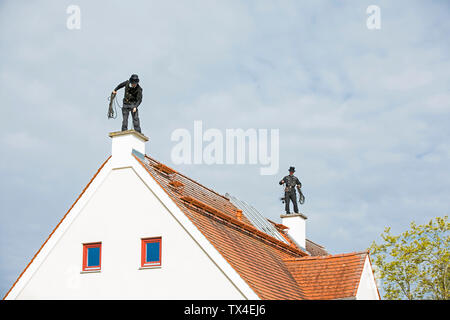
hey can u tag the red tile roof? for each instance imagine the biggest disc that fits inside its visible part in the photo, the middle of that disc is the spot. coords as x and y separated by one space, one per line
272 268
328 277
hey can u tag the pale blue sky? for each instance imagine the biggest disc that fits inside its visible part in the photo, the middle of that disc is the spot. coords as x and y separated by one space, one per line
363 114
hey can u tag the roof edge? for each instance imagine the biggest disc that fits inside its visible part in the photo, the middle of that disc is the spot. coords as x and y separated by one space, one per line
319 245
331 256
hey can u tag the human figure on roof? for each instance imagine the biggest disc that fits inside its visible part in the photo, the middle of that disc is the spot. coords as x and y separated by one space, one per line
290 183
132 98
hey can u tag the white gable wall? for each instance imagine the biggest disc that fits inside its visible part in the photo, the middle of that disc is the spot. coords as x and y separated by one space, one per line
367 289
121 212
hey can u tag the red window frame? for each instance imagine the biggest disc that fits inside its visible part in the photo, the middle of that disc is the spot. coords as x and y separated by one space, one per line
86 246
144 242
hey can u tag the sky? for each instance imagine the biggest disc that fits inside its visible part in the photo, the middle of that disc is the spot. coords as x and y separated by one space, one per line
363 114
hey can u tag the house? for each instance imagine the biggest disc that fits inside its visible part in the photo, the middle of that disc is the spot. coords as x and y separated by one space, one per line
141 230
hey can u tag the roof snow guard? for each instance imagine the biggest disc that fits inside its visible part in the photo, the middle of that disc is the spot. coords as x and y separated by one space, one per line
256 218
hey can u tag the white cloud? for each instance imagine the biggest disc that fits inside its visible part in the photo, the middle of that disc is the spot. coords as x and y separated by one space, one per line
22 141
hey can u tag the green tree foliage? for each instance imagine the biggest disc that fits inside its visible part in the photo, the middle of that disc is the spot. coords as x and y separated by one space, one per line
415 264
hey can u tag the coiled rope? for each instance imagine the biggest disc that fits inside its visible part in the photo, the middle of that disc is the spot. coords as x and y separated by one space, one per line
301 197
113 105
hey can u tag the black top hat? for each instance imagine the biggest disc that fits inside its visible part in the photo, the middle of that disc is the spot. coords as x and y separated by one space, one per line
134 78
292 169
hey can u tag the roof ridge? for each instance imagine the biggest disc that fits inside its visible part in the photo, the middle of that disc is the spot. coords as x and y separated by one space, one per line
319 245
190 179
331 256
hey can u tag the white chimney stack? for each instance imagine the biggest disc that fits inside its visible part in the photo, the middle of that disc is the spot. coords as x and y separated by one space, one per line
296 223
123 143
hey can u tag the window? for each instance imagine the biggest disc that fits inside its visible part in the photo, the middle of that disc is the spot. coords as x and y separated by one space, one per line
92 256
151 252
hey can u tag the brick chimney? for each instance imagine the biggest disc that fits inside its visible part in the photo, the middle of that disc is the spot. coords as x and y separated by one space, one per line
123 143
296 223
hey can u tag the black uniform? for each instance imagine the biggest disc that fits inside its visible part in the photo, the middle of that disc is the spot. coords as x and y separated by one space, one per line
289 192
131 99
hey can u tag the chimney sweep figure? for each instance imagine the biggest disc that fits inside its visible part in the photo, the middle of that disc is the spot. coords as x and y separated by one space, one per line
291 182
131 101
